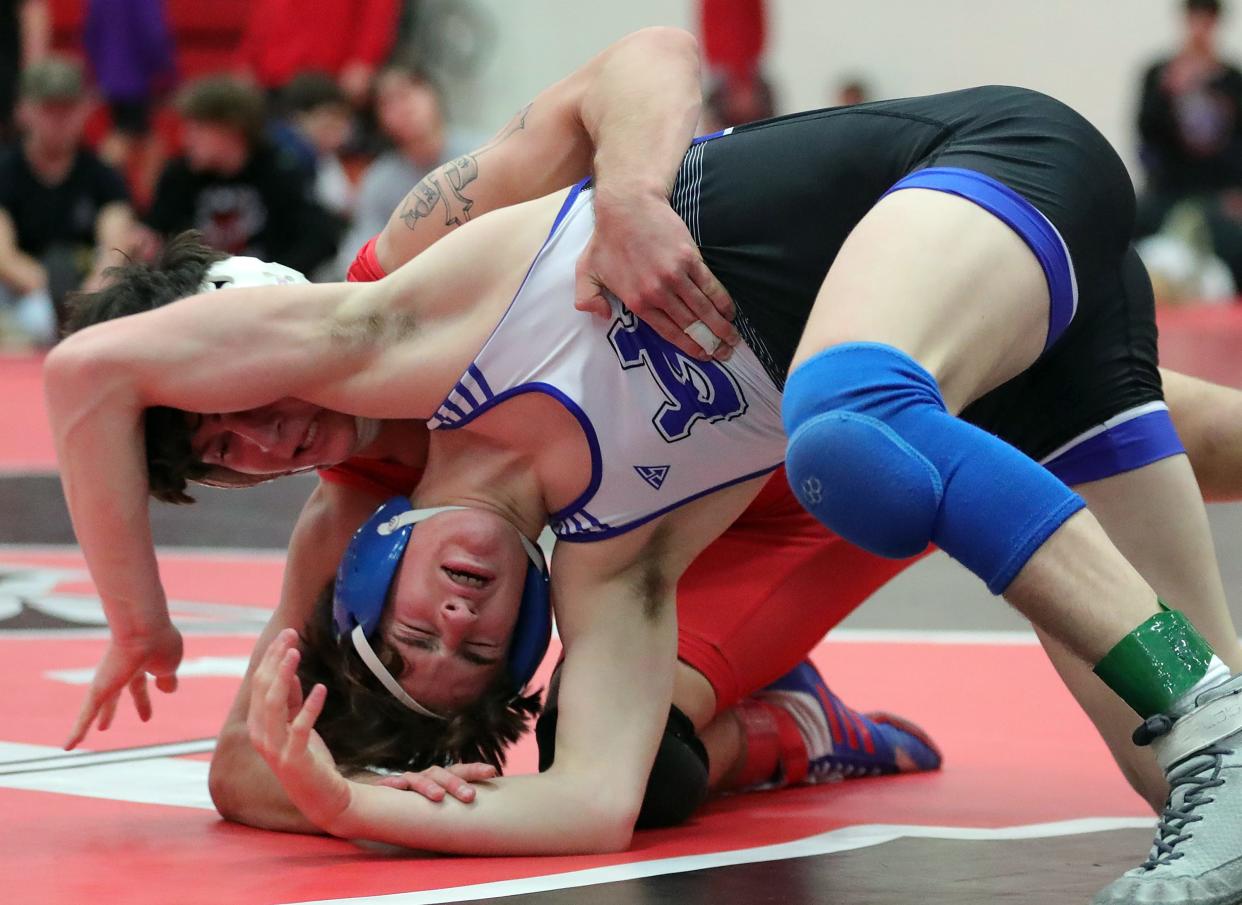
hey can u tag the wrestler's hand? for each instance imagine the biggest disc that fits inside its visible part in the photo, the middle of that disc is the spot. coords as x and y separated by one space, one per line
126 664
281 726
434 782
643 254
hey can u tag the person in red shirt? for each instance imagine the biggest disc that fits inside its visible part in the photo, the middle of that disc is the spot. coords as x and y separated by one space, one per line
347 39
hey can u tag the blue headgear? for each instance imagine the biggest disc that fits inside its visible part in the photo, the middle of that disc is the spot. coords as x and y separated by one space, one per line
367 571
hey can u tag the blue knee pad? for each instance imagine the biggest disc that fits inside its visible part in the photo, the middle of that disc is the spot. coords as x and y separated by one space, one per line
875 456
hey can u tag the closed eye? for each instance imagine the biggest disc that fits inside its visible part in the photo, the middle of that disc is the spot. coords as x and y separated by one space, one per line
429 642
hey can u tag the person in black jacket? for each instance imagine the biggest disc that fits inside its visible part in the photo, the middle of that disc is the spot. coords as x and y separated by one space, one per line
65 215
1190 130
245 196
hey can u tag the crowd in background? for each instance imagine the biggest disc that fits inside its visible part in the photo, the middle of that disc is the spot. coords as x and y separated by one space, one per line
302 133
295 146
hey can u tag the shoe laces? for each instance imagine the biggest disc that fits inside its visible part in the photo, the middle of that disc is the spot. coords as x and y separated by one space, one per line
1189 783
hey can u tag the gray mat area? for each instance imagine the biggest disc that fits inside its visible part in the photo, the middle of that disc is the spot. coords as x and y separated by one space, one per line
1064 870
935 594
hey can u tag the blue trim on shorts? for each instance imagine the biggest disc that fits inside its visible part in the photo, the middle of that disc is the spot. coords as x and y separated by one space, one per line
1023 218
1125 447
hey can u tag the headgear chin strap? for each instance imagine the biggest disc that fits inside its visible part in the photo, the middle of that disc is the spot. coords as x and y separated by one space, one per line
366 574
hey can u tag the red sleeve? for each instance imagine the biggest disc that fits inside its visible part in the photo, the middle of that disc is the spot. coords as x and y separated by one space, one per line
382 479
374 30
366 266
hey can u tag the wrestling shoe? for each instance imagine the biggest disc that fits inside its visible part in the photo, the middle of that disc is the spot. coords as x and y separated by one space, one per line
1197 855
839 742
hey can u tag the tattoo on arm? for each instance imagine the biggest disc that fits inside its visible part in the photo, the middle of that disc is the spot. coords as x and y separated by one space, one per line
446 185
516 124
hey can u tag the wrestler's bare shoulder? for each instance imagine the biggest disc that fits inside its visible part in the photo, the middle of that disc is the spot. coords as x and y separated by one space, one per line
428 320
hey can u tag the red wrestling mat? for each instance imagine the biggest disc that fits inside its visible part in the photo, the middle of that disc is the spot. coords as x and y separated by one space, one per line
1203 340
26 441
139 828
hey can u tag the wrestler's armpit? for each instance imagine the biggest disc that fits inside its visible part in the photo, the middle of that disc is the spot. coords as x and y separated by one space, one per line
652 582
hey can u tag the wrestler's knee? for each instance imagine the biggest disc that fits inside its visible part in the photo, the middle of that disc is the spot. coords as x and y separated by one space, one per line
846 464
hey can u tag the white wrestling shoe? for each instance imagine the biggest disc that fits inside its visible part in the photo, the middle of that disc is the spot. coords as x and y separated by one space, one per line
1197 855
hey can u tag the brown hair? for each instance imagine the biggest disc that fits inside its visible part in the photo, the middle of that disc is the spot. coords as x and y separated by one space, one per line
132 288
224 100
364 726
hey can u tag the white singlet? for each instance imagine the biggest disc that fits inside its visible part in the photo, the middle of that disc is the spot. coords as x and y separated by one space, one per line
663 429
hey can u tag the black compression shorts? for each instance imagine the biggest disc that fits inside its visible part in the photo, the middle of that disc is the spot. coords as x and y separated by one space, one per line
771 203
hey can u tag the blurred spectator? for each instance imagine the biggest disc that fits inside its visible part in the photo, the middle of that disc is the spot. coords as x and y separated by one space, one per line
64 214
851 91
411 114
131 53
25 36
317 128
1189 120
734 34
233 185
733 100
1181 262
348 39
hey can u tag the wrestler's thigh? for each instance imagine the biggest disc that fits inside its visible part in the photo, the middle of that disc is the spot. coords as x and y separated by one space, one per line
945 281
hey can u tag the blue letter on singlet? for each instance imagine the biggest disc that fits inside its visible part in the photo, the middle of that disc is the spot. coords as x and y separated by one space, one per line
693 389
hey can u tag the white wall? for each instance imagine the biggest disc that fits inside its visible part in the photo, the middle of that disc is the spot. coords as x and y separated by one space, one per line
1089 53
538 41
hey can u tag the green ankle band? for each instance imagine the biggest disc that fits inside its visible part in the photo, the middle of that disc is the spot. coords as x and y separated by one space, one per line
1157 663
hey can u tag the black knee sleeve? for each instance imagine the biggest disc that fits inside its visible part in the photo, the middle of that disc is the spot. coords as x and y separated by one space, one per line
678 782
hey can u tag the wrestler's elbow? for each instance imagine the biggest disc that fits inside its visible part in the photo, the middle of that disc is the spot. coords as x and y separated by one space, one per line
609 809
667 39
244 791
74 376
610 830
223 778
87 366
67 364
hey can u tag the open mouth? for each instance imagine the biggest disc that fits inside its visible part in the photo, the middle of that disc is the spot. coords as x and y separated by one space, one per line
312 431
467 578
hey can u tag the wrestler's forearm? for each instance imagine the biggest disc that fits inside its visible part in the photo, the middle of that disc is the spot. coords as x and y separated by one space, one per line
243 787
628 113
521 815
1208 418
640 111
96 427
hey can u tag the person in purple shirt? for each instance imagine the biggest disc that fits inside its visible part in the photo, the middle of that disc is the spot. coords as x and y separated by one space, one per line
130 50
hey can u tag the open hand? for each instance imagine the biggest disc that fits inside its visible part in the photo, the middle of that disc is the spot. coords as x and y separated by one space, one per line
643 254
126 664
281 726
